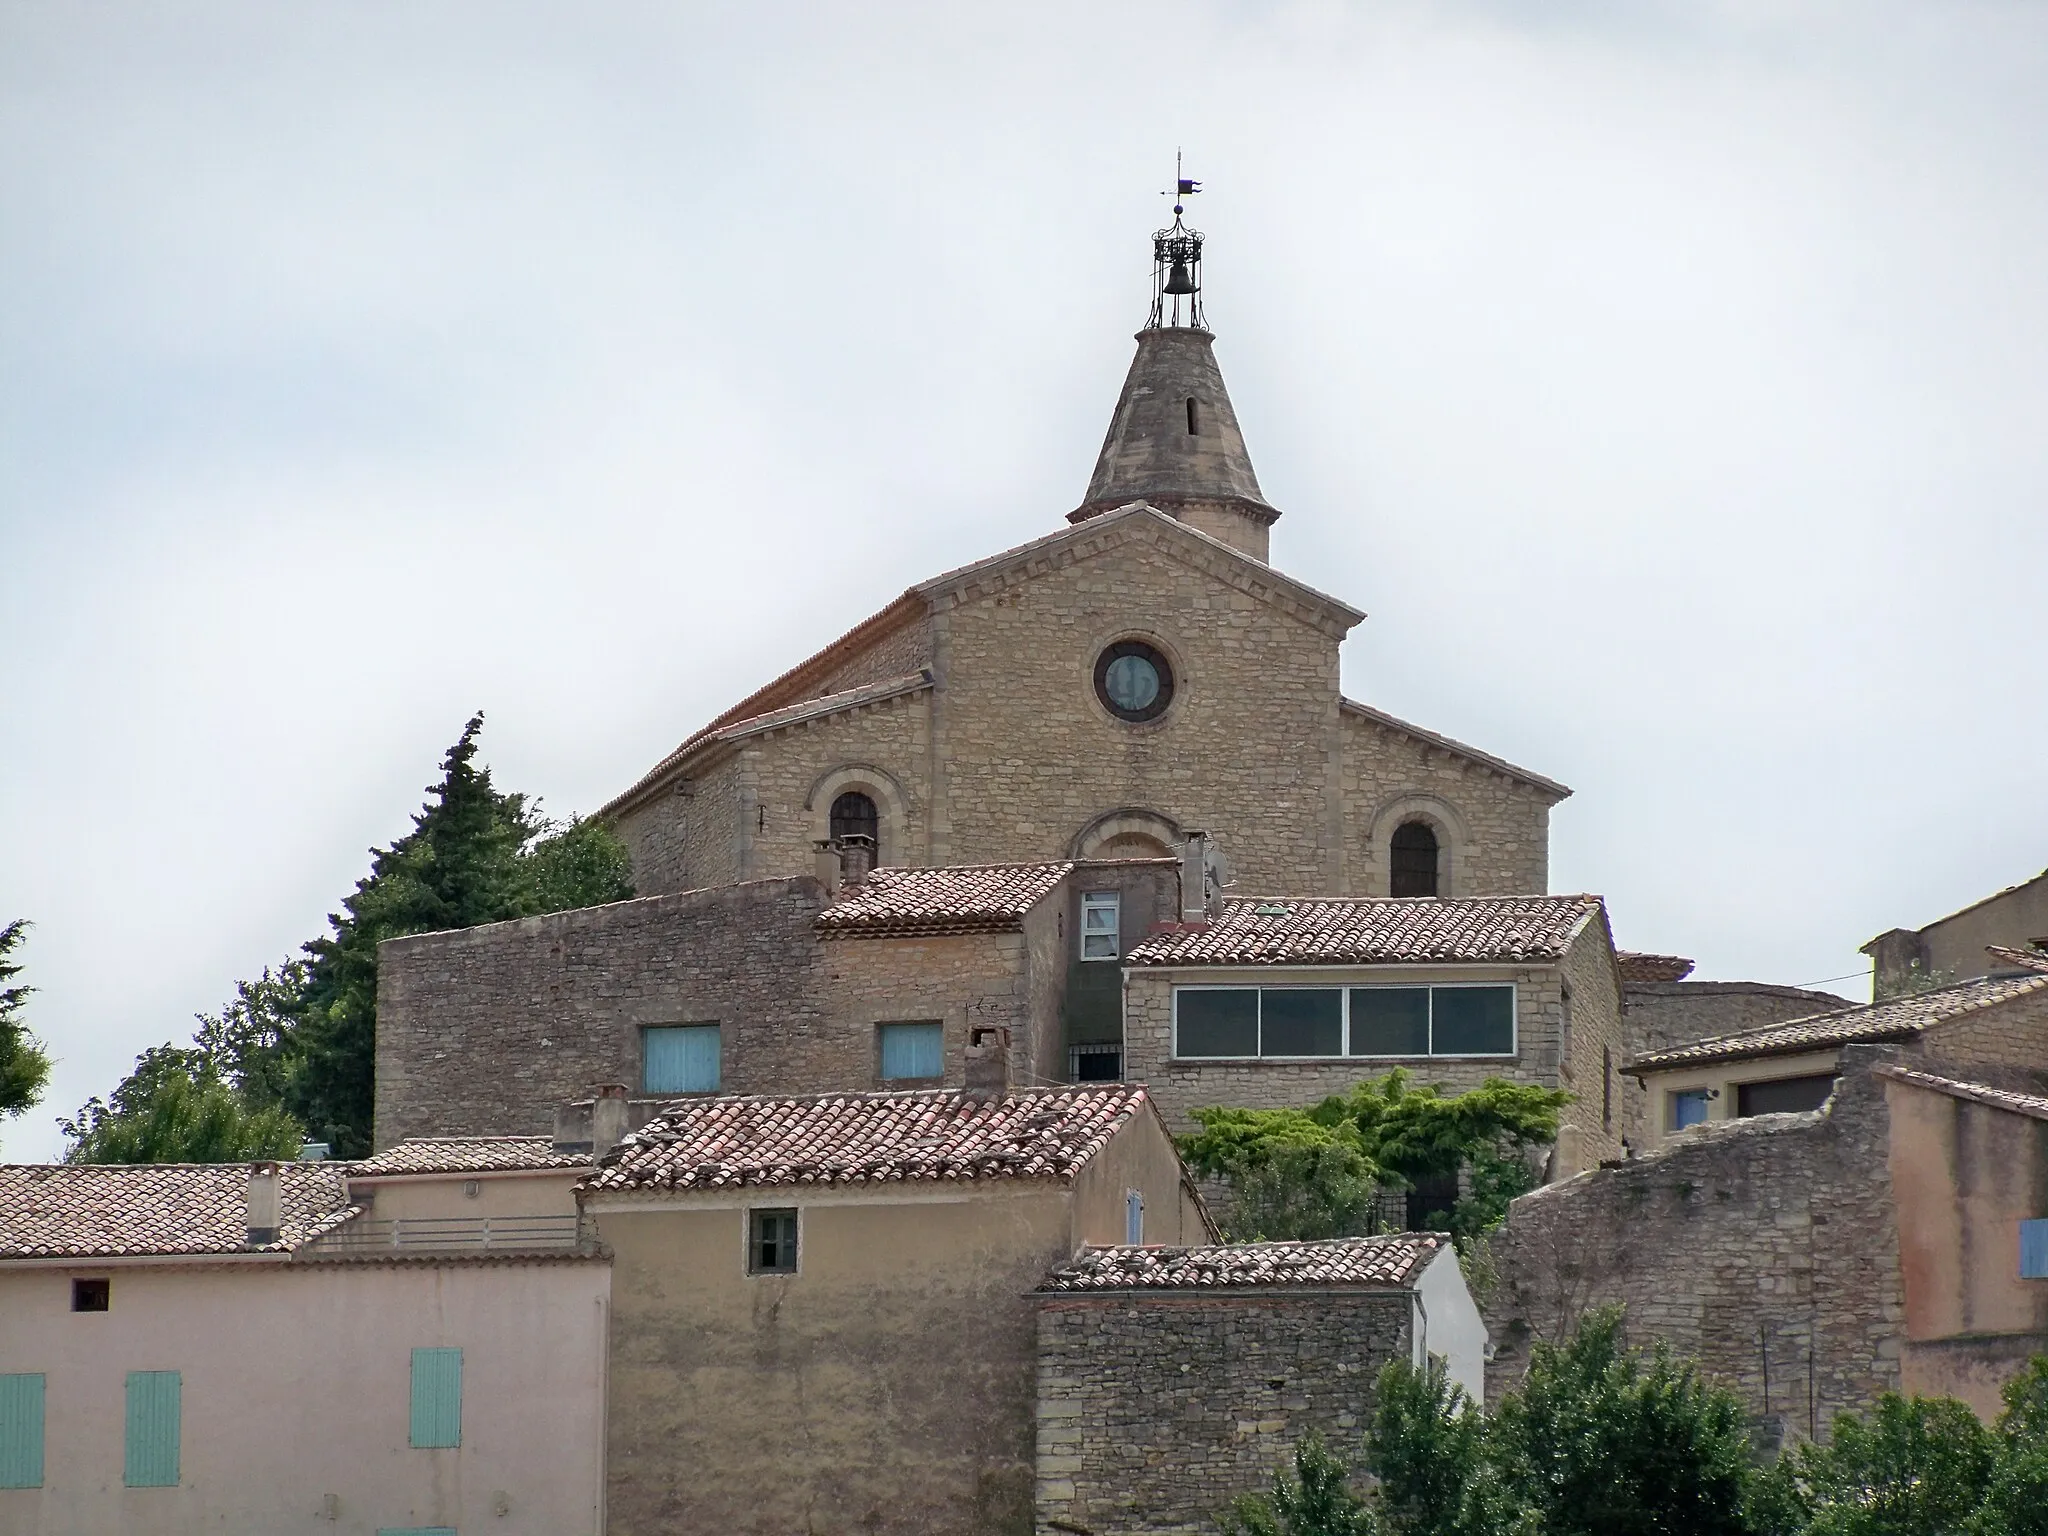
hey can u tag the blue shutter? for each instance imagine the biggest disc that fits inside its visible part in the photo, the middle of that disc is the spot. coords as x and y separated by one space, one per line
1134 1217
913 1050
2034 1250
21 1431
682 1059
153 1413
436 1398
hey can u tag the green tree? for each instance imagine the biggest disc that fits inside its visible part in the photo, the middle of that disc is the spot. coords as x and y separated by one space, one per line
1426 1446
175 1107
24 1063
2016 1499
474 855
1600 1440
1915 1466
1314 1499
1300 1173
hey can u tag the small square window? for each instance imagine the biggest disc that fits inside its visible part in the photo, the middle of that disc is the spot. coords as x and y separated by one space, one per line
680 1058
1101 919
1095 1063
1688 1108
91 1295
912 1052
771 1242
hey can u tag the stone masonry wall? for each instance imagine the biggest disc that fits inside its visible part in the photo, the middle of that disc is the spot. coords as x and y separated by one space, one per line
1659 1015
1766 1247
2010 1034
1590 1065
1156 1411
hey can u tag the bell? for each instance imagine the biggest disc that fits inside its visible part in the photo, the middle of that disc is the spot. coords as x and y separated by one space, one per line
1178 281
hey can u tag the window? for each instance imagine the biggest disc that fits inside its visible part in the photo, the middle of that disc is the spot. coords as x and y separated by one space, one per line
1134 681
1688 1108
1788 1095
1194 417
912 1051
152 1448
91 1295
21 1431
1095 1063
1606 1088
1333 1022
771 1242
854 815
680 1058
2033 1264
436 1399
1413 848
1134 1216
1101 938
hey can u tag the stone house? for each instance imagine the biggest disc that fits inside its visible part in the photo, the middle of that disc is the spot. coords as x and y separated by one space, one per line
1809 1260
1098 692
1957 947
1997 1021
1171 1380
771 986
822 1312
1284 1001
415 1344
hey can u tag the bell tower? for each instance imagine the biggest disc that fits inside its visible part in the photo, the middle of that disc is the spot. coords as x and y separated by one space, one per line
1174 440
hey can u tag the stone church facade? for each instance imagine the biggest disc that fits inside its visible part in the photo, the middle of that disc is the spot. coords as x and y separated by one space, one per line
978 718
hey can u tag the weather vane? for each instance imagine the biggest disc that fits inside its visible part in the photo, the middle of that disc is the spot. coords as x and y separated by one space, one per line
1177 262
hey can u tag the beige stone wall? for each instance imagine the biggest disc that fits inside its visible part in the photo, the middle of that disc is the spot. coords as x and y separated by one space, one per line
1142 1157
1493 832
1965 1176
2010 1034
688 836
1592 1049
1180 1086
961 980
295 1386
879 749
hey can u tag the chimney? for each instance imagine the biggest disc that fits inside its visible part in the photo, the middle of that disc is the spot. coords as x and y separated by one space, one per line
1194 878
608 1119
825 864
988 1061
263 1204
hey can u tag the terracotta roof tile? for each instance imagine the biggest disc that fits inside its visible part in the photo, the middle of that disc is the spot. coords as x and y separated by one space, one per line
2025 959
112 1210
1376 1263
1376 931
2034 1105
1637 966
467 1154
1898 1018
940 1136
976 898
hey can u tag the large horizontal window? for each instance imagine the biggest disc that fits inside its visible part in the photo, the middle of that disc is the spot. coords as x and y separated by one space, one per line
1331 1022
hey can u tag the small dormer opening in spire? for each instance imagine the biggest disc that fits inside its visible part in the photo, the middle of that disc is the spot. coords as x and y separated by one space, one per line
1194 418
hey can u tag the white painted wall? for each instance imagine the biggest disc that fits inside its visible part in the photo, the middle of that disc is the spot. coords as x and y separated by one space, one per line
297 1387
1450 1324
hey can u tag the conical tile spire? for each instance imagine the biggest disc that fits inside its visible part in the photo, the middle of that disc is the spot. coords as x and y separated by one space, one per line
1174 440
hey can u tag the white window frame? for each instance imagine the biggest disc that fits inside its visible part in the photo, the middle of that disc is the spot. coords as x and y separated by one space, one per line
1344 991
1111 902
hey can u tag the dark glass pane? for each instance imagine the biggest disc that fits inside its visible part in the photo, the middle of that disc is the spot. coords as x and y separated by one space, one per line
1473 1021
1301 1021
1220 1023
1413 860
854 815
1390 1021
1789 1095
1098 1066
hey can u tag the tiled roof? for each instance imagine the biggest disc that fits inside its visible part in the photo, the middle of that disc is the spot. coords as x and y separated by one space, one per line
110 1210
941 1136
1376 931
975 898
1378 1263
2034 1105
1637 966
826 704
2025 959
1898 1018
467 1154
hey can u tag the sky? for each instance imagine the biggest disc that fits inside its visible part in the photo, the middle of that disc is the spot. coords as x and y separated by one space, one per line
1666 380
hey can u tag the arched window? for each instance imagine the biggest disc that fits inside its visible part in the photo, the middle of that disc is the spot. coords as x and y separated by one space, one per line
1414 855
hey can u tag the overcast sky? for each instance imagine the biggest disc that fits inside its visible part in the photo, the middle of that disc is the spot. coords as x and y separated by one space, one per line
1668 382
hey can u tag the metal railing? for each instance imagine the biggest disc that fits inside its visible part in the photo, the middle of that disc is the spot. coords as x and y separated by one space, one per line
452 1234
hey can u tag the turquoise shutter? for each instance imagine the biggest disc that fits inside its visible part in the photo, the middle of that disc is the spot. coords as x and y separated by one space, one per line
21 1431
682 1059
153 1413
2034 1250
436 1398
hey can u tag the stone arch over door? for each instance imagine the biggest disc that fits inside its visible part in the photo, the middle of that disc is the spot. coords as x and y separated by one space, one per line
1129 832
1434 812
893 806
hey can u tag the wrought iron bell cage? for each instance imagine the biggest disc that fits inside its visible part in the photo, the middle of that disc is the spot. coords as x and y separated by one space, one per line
1177 277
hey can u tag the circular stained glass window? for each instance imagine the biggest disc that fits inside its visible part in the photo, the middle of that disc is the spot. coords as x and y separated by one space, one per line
1133 681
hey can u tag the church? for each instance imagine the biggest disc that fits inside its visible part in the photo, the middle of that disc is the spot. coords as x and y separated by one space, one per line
945 821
